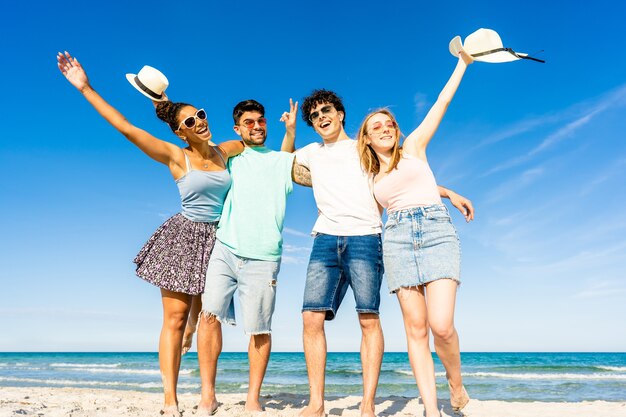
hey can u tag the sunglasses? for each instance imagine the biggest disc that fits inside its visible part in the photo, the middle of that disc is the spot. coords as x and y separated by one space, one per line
190 121
324 110
378 126
249 123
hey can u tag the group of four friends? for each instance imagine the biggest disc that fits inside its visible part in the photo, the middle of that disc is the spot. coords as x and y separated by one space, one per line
228 237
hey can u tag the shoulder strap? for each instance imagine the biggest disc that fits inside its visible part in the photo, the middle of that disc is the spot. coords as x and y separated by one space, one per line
187 161
219 153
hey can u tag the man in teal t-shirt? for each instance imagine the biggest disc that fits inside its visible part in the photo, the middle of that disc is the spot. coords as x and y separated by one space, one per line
247 253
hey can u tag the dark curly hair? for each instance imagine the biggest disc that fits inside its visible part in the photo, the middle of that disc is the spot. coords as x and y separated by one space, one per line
247 105
318 97
168 112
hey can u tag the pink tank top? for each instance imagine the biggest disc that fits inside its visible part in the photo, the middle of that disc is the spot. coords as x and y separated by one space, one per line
411 184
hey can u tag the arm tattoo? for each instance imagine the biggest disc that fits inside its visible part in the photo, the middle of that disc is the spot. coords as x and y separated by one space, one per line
301 174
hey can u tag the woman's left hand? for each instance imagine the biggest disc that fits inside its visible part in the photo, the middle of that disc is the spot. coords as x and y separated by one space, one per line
463 205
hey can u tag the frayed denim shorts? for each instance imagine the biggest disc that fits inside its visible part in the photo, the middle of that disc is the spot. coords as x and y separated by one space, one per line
339 262
420 246
254 279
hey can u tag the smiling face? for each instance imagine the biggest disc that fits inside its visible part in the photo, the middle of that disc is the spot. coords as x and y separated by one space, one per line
252 128
381 133
199 131
327 121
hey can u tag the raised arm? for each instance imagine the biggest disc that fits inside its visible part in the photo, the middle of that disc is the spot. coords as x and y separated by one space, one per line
463 204
289 118
418 140
157 149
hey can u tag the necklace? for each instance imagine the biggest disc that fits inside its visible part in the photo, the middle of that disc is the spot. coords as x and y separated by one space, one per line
204 161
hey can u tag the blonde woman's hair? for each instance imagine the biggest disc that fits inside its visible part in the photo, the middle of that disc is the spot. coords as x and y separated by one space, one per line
369 160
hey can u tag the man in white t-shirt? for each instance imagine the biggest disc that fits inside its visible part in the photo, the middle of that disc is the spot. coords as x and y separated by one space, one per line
347 251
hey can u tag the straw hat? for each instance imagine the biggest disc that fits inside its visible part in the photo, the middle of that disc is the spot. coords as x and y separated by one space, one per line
150 82
485 45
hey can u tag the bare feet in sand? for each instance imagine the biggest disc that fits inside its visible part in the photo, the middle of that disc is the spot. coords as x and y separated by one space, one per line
253 406
170 411
206 411
367 412
312 411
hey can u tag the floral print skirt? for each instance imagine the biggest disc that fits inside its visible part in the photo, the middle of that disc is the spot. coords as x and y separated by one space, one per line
176 256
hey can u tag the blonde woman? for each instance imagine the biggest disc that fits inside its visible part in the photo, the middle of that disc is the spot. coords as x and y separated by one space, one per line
421 248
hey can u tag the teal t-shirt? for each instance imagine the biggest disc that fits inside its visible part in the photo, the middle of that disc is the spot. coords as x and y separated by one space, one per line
254 211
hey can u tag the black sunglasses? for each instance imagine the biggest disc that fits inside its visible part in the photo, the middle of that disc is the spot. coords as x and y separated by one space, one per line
324 110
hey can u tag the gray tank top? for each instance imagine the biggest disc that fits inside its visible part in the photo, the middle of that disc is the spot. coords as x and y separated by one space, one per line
202 193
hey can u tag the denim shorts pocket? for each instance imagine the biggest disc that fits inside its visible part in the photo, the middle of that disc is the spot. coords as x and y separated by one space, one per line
440 215
391 223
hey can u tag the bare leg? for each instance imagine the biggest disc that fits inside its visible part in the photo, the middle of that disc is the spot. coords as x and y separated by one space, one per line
259 350
192 323
315 354
175 312
413 306
441 297
372 348
209 349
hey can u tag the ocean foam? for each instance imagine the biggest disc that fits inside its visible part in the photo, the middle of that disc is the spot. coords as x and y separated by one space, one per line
530 376
85 365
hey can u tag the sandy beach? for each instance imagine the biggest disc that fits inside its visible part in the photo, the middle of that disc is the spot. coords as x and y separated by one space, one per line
81 402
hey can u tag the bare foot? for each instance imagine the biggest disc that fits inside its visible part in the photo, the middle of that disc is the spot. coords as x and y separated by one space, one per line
312 411
207 410
369 412
188 338
170 411
253 406
458 398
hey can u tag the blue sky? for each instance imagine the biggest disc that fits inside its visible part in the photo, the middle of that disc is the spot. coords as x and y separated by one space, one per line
539 148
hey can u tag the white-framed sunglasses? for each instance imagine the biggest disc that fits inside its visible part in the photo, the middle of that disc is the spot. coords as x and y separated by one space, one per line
190 121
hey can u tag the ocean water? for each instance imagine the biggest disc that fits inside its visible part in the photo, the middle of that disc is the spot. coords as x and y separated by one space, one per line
487 376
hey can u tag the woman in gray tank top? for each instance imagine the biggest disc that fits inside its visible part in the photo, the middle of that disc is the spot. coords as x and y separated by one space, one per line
176 256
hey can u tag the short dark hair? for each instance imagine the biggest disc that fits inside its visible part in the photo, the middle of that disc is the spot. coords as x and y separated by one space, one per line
247 105
318 97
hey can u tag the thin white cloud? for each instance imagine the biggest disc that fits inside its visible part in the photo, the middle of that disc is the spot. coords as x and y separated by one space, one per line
421 103
292 260
602 289
582 114
615 168
518 128
514 185
295 232
287 248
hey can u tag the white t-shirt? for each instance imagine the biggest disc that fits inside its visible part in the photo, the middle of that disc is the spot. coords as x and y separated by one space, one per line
342 190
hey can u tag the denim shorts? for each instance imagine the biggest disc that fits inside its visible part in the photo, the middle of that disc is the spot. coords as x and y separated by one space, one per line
256 281
339 262
421 245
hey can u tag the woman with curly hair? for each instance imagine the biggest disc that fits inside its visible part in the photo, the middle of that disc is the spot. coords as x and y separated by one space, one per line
420 249
176 256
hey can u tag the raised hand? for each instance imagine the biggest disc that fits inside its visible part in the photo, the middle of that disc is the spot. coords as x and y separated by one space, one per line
289 118
467 58
72 70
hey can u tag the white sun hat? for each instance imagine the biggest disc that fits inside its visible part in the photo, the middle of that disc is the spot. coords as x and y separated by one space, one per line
150 82
485 45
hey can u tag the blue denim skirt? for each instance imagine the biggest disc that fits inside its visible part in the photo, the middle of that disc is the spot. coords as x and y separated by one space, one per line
420 246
